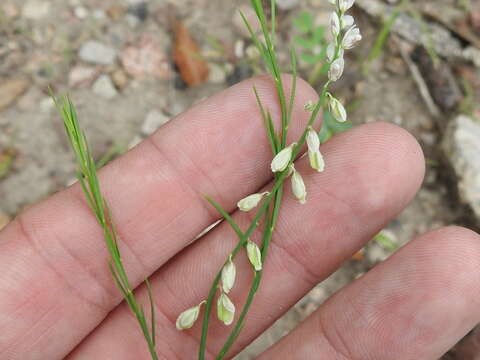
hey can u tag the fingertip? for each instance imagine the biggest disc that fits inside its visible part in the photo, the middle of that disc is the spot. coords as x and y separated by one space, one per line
382 166
454 252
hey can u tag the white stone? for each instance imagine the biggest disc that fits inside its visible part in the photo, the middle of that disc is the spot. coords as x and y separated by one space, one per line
104 87
217 75
97 53
99 14
135 141
153 121
462 148
35 9
80 75
46 105
80 12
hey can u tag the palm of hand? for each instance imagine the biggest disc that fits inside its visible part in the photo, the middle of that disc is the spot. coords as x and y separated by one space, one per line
57 298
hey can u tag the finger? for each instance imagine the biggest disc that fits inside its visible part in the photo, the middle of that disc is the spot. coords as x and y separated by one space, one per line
416 305
372 172
54 279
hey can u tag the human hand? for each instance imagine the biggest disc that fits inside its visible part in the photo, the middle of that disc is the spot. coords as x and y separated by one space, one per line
58 300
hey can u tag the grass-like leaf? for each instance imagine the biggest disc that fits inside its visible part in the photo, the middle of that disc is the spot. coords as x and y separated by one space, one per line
88 179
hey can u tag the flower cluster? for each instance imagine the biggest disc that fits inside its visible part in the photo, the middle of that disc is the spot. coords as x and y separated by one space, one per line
225 306
345 36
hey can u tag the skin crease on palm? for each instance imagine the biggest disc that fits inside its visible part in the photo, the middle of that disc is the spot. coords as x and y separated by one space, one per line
57 298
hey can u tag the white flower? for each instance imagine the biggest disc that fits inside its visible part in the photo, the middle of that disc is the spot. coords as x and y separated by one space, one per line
282 159
336 69
229 273
187 318
337 110
316 160
313 141
351 38
298 187
314 155
346 4
347 21
335 24
254 255
331 52
251 201
225 309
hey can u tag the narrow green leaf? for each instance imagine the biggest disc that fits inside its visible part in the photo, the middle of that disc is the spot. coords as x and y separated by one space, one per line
227 217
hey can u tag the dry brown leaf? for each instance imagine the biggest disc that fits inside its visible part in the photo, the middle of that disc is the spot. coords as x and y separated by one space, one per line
193 69
359 256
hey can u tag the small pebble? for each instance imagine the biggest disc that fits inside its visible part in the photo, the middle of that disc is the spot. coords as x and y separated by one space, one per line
217 75
80 12
97 53
104 87
46 105
239 49
35 9
120 79
10 10
153 121
11 90
81 75
116 12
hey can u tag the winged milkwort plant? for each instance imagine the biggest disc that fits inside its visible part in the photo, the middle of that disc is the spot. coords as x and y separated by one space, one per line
345 35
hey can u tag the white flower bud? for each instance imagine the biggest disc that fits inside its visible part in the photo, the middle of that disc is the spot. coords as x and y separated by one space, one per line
282 159
254 255
331 52
351 38
229 273
336 69
225 309
346 4
187 318
333 2
316 160
251 201
347 21
337 110
313 141
314 155
335 24
298 187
